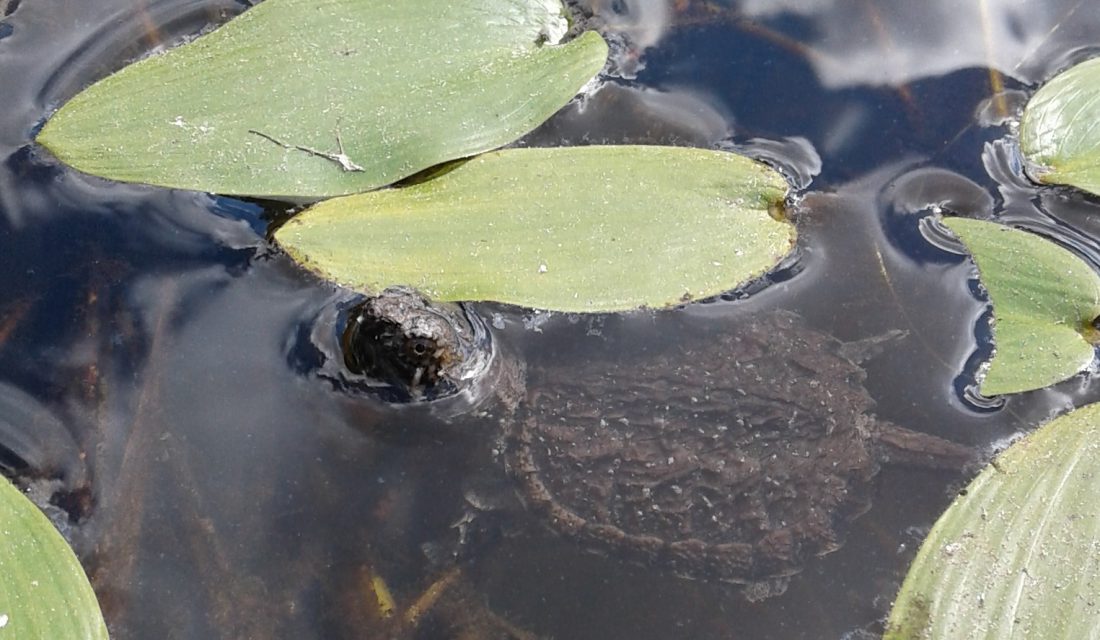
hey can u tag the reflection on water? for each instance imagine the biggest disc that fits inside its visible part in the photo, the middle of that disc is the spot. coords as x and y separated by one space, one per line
152 381
624 114
1059 212
895 43
633 26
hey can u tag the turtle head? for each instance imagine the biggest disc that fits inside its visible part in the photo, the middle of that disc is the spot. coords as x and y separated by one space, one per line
416 349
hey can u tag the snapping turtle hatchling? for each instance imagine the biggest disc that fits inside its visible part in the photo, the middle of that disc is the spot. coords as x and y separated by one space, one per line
735 459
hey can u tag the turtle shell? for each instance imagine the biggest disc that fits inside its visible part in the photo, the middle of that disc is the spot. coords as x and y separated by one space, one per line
736 459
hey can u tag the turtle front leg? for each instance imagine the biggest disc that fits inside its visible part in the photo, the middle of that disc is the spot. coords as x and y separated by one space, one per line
897 445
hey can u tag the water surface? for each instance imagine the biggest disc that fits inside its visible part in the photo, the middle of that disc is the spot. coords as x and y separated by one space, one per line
155 350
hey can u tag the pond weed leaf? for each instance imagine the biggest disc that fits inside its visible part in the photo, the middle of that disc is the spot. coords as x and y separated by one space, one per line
1044 300
43 590
583 229
299 99
1060 129
1014 556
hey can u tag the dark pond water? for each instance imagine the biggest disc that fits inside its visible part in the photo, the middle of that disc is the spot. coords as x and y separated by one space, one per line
155 348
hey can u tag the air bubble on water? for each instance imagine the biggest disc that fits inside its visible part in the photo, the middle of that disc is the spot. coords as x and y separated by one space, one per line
535 320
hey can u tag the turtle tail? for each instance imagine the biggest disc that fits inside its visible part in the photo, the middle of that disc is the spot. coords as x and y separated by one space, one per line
897 445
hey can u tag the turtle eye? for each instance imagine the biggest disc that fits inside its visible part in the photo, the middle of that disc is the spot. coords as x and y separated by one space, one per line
420 346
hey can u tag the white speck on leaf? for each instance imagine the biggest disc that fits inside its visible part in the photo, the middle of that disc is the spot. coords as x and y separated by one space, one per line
3 620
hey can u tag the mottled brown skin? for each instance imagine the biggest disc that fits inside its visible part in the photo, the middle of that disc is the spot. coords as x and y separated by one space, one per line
736 459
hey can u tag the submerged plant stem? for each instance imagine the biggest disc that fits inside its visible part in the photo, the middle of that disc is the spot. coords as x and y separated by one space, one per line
996 82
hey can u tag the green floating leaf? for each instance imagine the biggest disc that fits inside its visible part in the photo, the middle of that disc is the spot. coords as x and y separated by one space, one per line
253 107
1015 555
1059 131
44 594
1044 301
573 229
